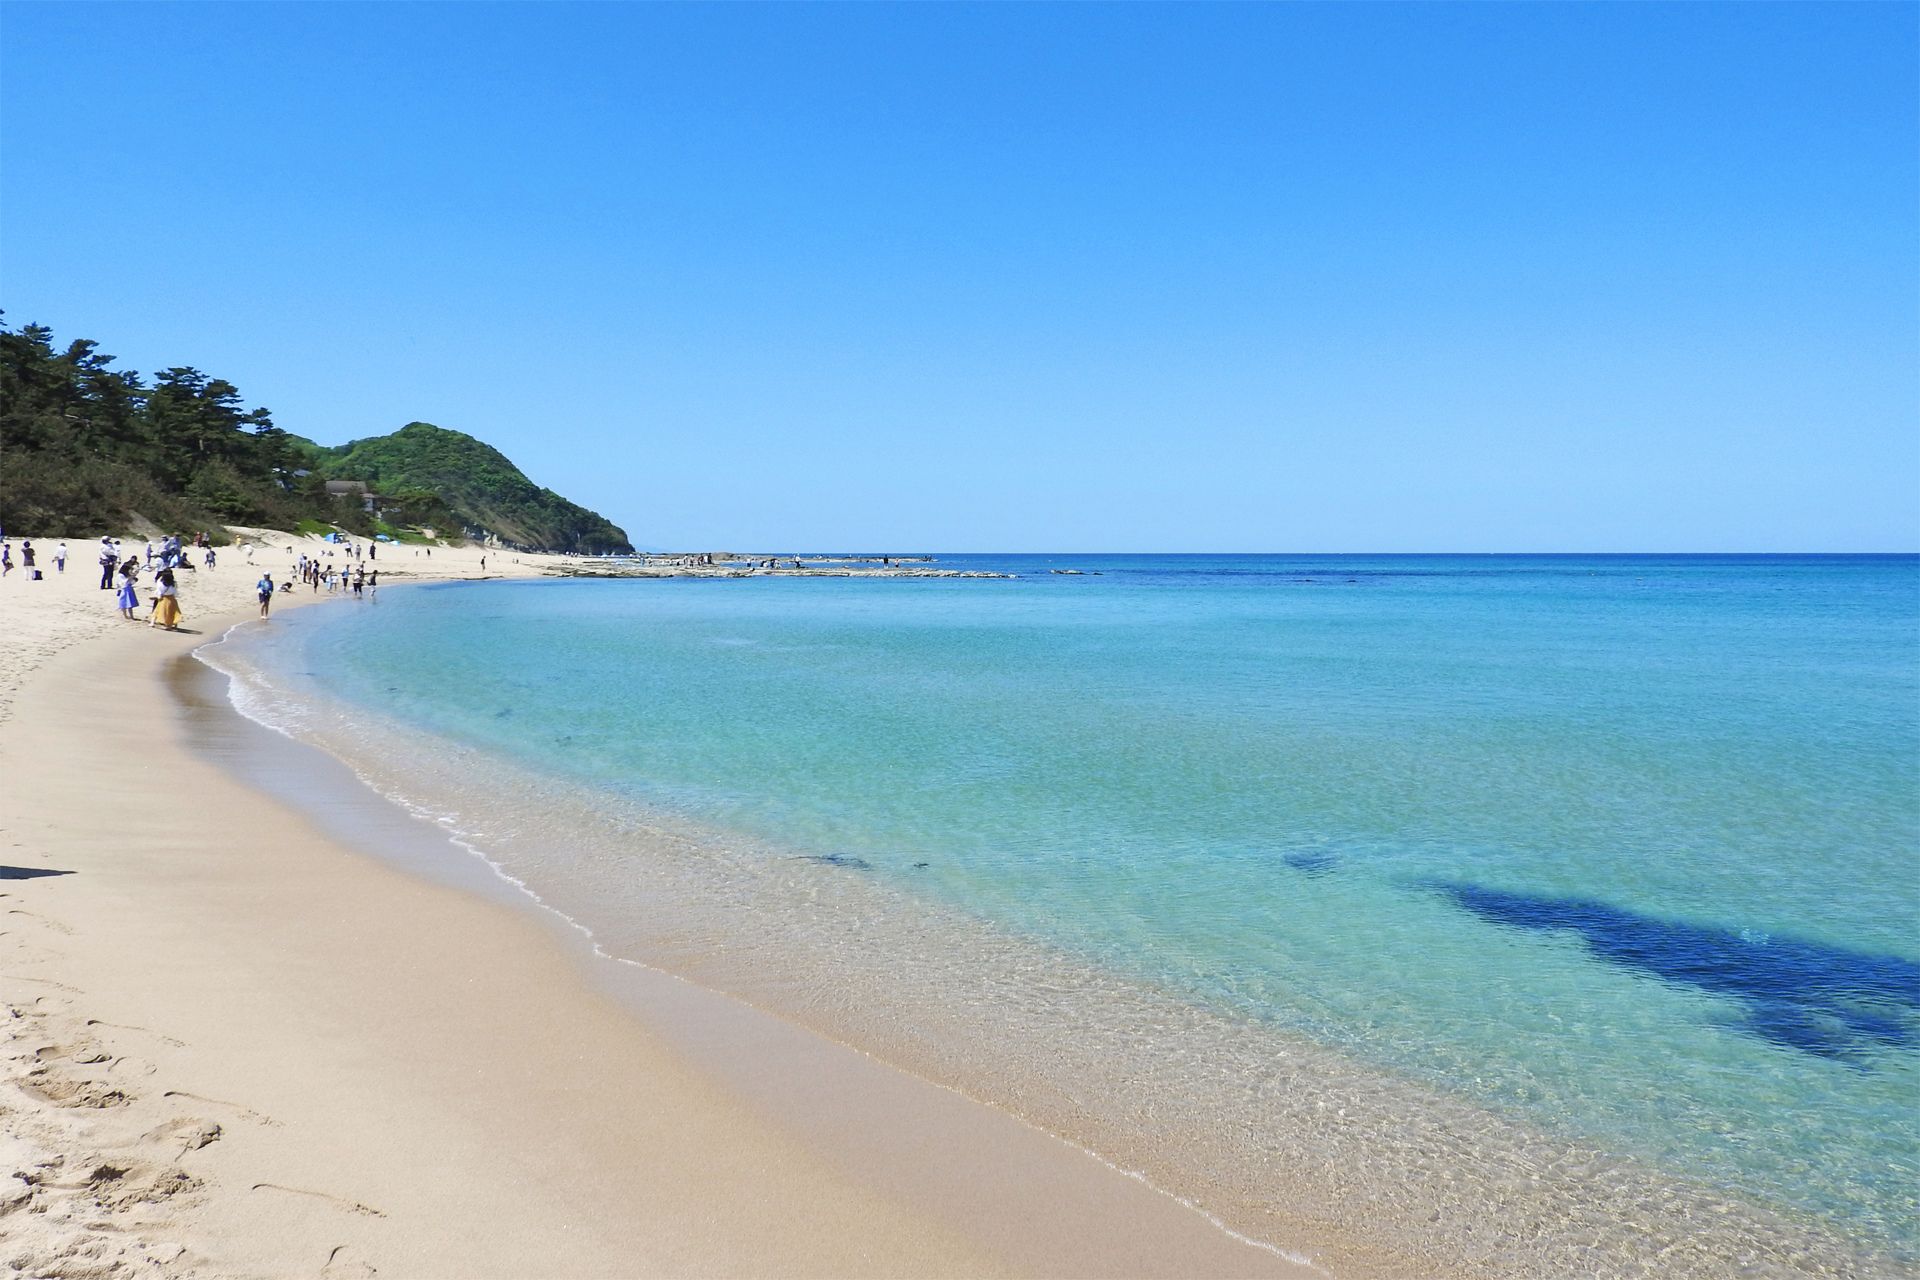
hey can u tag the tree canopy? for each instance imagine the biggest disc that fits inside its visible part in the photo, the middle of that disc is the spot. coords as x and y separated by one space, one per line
477 483
87 449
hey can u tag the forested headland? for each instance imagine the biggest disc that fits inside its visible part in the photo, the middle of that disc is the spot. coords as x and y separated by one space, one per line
87 449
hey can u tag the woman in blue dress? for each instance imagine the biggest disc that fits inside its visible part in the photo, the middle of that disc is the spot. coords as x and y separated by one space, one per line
129 597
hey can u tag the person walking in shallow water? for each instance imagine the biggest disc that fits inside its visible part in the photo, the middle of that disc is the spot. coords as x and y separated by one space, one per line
265 589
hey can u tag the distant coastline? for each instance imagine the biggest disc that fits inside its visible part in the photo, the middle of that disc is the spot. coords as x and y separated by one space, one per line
737 565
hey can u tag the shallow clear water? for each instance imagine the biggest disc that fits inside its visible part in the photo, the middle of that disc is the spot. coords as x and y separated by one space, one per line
1623 846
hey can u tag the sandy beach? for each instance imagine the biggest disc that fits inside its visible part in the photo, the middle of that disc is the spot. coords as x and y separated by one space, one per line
238 1046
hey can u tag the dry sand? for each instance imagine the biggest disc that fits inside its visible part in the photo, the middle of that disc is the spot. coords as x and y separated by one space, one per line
238 1047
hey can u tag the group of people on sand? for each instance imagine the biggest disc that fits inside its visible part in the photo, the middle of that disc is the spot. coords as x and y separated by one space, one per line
121 567
28 556
317 573
123 578
163 562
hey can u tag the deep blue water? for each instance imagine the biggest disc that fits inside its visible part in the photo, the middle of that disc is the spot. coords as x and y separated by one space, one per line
1629 846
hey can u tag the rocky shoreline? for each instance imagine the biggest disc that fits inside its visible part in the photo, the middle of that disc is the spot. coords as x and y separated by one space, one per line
728 565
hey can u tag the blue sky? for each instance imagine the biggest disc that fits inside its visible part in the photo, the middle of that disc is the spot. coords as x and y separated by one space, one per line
1362 277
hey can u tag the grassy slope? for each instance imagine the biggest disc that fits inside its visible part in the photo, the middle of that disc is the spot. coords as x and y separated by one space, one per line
478 485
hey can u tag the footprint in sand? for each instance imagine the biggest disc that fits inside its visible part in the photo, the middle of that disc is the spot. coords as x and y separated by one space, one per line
46 982
350 1206
37 918
345 1264
189 1134
246 1113
85 1053
120 1026
74 1093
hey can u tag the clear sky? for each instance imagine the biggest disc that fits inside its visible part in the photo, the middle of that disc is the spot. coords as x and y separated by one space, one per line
1360 277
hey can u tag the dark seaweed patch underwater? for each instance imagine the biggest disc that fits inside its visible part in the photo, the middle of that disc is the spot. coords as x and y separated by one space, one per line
1821 1000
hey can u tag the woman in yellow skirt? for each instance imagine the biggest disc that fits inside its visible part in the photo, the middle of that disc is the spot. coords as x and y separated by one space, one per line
166 605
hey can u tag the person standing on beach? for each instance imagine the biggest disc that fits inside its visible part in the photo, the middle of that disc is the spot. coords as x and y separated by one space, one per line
109 561
129 598
60 558
166 605
265 590
26 555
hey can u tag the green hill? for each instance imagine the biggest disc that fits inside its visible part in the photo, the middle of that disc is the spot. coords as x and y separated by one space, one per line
479 487
86 449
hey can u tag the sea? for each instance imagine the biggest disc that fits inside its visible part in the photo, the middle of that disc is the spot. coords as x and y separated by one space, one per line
1527 915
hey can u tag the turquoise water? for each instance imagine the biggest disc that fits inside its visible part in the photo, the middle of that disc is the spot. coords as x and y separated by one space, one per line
1622 846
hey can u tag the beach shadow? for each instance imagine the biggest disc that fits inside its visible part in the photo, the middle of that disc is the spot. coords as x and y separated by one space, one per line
29 873
1826 1001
